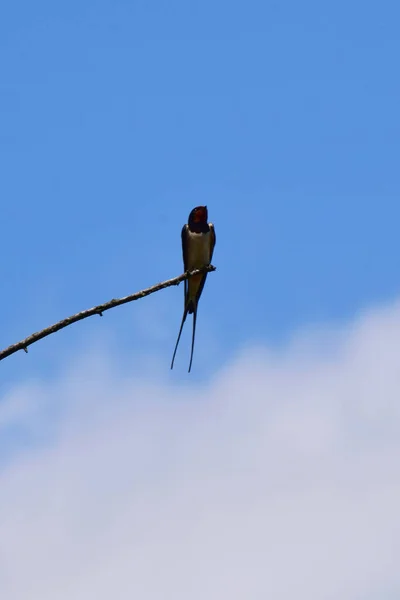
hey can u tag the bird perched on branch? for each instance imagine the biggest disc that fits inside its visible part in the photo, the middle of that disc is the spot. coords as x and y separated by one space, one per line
198 241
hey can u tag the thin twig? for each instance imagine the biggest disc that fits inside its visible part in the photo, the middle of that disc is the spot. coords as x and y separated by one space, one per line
97 310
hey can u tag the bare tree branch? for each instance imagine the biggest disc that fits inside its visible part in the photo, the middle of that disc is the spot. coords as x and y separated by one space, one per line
97 310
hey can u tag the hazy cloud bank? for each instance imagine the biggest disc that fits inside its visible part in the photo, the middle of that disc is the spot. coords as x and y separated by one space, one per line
278 479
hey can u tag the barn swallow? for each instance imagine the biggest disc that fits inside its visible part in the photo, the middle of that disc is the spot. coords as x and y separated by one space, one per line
198 241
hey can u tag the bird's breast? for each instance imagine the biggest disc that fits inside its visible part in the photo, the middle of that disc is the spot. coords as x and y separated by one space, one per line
198 250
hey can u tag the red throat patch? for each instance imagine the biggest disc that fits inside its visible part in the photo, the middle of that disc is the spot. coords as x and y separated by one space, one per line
200 215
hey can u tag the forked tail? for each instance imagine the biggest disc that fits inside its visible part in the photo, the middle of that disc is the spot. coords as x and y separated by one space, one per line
185 312
193 333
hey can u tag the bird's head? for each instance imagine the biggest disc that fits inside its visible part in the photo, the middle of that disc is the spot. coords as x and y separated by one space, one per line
198 216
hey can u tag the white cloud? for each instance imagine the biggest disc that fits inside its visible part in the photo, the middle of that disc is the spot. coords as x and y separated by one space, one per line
278 479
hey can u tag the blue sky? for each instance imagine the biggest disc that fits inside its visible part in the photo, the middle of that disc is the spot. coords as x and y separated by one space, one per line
117 118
